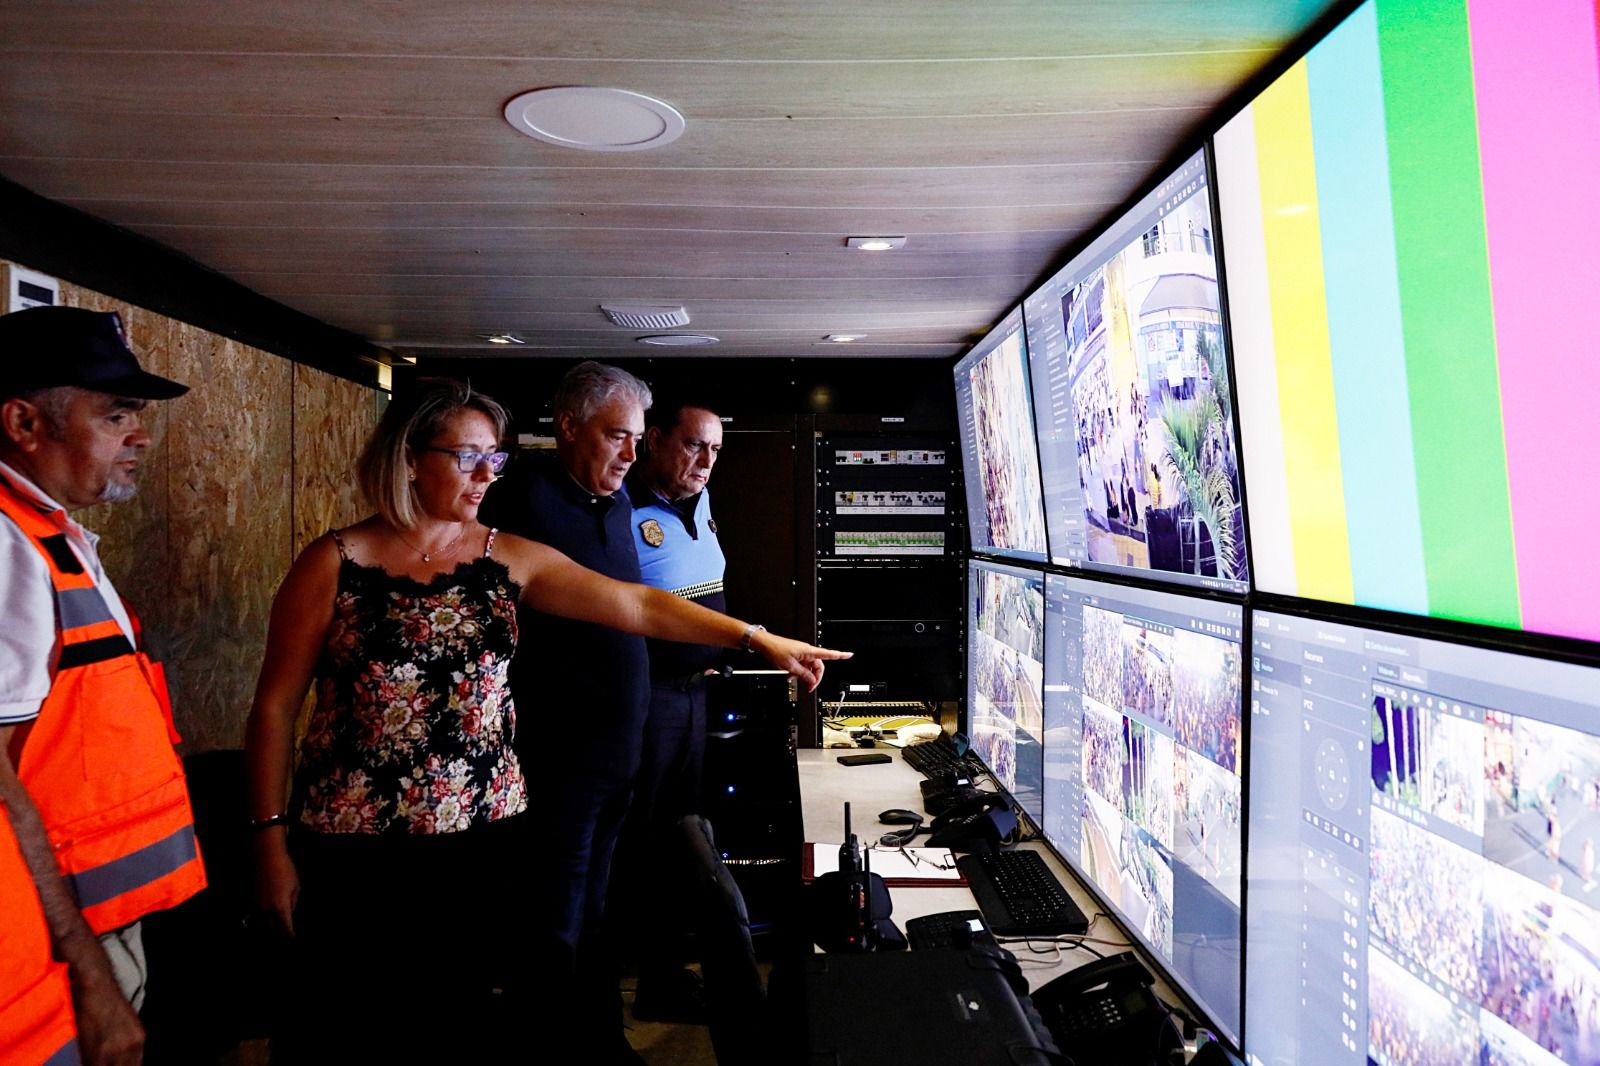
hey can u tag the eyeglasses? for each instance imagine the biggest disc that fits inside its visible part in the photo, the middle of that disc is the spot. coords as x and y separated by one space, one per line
467 462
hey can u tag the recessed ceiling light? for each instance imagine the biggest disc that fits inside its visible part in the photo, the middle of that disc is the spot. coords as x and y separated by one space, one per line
679 340
595 118
845 338
502 338
874 244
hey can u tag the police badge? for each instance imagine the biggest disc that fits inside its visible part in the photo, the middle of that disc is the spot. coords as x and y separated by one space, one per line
650 529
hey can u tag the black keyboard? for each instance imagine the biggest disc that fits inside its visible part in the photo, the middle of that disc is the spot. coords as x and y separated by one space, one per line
1019 895
934 757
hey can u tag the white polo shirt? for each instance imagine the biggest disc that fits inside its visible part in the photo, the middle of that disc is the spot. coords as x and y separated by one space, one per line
29 640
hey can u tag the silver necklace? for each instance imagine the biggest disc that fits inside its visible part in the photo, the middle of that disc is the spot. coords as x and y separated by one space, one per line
427 556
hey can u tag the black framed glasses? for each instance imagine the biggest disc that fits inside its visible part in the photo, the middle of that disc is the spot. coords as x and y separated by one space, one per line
468 461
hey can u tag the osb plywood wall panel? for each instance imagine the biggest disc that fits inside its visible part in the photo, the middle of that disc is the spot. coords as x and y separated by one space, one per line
258 450
230 456
332 418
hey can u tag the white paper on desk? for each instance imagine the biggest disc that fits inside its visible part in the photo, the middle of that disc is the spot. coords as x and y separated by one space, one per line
890 864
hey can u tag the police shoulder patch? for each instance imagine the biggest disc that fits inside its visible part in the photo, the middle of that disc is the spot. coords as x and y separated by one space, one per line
650 529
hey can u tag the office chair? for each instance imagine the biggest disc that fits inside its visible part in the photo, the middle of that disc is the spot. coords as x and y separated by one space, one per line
736 1006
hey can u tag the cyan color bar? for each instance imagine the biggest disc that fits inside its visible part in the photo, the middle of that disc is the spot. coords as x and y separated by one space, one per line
1364 334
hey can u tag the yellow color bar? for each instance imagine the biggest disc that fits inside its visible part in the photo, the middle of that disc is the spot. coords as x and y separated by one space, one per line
1292 229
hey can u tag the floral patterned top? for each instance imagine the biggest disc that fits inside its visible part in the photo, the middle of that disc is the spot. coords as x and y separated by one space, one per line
413 724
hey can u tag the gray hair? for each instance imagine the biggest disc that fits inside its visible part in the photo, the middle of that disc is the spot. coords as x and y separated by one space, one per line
589 386
54 406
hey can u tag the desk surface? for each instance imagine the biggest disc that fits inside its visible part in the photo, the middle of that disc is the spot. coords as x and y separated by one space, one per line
825 787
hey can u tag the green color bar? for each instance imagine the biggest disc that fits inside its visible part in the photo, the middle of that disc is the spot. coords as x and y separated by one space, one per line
1446 314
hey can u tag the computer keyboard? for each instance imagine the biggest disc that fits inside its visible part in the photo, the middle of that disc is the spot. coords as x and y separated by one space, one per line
1019 896
937 756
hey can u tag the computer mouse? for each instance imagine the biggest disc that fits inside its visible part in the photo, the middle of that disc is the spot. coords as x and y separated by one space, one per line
899 816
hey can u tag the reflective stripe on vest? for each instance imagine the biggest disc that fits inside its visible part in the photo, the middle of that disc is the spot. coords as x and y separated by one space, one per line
98 761
35 999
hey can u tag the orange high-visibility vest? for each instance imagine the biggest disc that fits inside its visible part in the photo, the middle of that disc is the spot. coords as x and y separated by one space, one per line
35 999
98 761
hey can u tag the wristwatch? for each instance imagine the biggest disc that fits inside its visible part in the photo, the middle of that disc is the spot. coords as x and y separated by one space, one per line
750 635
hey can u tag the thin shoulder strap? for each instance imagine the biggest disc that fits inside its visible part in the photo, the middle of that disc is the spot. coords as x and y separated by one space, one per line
338 540
488 545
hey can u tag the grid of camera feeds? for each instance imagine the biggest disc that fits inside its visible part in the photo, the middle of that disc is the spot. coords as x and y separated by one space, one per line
1005 678
1005 503
1423 833
1143 794
1422 815
1130 378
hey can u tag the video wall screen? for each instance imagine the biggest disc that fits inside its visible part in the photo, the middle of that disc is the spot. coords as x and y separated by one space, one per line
1412 313
1130 381
1423 824
1142 773
995 409
1005 678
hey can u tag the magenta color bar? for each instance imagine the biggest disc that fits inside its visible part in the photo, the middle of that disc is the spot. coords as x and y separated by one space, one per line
1538 96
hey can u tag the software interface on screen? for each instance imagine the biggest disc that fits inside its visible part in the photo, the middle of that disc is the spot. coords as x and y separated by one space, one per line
1410 326
1135 413
1143 752
1423 824
1005 678
995 410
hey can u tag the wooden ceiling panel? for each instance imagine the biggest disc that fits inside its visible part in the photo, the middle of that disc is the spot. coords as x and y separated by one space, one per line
668 29
534 306
350 160
861 188
600 347
998 290
817 254
156 218
405 87
714 261
488 140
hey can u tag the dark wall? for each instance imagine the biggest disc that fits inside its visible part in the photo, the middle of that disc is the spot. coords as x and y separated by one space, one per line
915 388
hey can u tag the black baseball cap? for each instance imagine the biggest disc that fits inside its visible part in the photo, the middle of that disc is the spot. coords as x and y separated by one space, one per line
45 347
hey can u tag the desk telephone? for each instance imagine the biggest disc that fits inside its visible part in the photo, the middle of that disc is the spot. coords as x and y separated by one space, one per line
1107 1014
980 821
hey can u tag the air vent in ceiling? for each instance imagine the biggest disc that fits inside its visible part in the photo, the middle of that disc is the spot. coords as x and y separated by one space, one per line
646 316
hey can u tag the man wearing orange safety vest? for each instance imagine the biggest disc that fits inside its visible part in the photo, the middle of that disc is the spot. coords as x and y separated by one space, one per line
88 774
35 998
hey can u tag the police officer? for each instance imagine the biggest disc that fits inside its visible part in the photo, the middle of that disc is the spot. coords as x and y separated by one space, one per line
676 538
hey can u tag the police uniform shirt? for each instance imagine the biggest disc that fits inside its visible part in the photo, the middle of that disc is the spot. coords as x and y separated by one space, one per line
679 552
579 687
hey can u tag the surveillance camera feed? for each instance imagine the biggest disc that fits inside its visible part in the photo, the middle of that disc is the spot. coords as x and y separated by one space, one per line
1130 381
1004 501
1423 879
1005 678
1143 747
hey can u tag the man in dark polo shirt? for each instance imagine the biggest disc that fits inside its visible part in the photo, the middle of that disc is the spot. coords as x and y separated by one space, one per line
679 552
581 693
